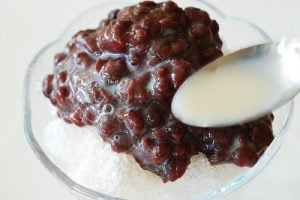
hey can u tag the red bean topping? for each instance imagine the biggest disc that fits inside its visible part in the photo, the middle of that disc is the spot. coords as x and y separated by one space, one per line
117 145
62 76
77 118
244 157
169 6
61 95
160 152
199 30
262 136
47 85
107 126
197 15
83 59
163 89
147 142
114 70
134 121
121 77
89 117
59 58
140 35
179 150
159 134
153 116
179 46
175 169
99 64
90 44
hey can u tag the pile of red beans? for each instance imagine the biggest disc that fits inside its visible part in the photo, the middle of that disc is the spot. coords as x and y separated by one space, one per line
121 77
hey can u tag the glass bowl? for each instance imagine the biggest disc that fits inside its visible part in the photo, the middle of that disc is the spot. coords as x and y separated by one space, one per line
235 32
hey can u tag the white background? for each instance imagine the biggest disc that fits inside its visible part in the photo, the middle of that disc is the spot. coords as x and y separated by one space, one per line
26 26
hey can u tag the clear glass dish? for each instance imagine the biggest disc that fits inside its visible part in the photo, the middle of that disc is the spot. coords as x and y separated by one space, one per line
235 32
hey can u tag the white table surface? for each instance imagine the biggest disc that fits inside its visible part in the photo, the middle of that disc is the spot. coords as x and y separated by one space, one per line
25 26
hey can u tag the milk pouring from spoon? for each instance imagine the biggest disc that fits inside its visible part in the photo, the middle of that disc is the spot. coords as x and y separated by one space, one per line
241 86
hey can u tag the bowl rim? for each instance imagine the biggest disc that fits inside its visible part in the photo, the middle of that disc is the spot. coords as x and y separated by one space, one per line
89 193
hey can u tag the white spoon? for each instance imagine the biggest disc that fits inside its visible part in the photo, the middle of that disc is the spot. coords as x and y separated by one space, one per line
240 87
